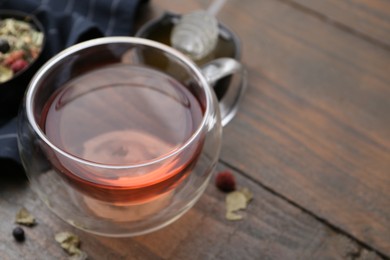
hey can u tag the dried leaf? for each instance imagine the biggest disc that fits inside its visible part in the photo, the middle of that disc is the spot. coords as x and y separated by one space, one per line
80 256
5 74
71 244
233 216
67 238
247 193
236 201
24 217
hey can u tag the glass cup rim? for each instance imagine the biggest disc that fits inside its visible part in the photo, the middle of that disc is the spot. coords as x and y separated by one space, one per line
40 75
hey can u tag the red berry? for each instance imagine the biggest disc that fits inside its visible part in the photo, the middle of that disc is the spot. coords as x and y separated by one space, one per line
18 65
225 181
13 56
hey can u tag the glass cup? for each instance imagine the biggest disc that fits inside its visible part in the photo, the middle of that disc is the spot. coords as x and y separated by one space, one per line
119 136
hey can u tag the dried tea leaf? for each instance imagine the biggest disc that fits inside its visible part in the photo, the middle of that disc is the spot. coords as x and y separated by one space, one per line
67 238
71 244
24 217
247 193
80 256
233 216
5 73
236 201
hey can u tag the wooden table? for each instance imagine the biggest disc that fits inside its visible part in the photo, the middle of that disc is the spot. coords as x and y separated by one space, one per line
311 140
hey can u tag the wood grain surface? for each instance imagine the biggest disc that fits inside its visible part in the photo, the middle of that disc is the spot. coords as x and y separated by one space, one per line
315 125
369 19
272 229
311 140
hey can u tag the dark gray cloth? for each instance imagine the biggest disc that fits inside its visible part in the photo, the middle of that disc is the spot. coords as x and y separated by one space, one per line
65 23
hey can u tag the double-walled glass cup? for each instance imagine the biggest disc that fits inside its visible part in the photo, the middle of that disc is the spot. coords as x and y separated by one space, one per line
103 195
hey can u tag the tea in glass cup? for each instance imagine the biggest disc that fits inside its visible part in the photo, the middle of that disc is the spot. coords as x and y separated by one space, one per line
119 136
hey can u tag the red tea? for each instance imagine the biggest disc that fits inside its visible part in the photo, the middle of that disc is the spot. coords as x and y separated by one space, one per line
123 115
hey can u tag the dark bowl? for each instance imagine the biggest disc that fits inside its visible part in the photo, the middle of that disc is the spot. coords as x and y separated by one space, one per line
12 91
228 44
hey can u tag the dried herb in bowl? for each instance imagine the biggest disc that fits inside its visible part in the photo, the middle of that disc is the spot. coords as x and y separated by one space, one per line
20 45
